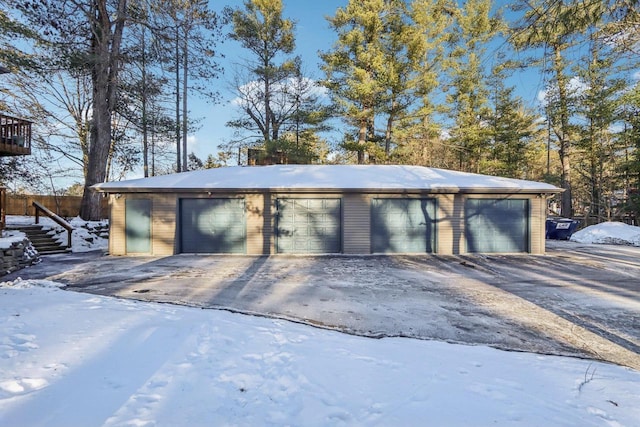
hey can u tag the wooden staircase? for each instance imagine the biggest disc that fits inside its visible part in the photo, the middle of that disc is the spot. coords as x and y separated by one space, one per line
41 239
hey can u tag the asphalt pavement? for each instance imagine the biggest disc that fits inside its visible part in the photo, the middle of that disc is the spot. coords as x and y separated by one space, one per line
577 300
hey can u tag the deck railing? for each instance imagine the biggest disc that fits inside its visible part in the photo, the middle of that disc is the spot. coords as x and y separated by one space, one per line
3 208
15 136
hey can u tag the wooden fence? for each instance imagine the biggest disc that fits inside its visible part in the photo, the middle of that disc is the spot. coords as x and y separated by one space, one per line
64 206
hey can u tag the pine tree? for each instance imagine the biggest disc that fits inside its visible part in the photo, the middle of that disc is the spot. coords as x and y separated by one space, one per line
555 26
630 139
354 68
598 106
515 132
468 95
418 135
261 29
404 50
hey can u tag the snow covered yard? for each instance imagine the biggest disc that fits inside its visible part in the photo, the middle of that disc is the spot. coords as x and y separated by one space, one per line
75 359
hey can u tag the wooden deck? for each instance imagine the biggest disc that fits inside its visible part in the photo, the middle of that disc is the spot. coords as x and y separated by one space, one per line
15 136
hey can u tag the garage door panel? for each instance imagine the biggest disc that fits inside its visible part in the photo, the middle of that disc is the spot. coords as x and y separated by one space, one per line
497 225
213 225
312 204
308 226
138 225
402 225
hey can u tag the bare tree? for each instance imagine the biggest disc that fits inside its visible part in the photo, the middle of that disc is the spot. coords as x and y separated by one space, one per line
193 31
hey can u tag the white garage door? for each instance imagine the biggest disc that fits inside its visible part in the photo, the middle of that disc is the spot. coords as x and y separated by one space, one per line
212 226
308 226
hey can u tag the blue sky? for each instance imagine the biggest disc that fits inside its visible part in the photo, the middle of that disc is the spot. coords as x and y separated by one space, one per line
312 34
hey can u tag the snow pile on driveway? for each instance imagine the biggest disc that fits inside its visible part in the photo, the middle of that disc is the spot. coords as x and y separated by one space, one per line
74 359
609 233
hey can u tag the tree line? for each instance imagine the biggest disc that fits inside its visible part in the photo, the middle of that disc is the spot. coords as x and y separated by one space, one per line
425 82
107 84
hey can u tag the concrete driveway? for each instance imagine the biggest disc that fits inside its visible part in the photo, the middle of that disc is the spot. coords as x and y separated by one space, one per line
578 300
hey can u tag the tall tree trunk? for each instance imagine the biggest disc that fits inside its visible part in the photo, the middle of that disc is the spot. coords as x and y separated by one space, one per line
387 137
362 140
105 50
394 110
178 156
267 103
185 71
563 134
145 130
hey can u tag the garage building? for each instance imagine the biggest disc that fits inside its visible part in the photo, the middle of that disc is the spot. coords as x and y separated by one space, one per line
326 209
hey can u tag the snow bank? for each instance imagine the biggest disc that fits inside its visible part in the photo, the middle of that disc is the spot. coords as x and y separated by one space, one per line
609 233
86 236
28 284
73 359
20 251
10 238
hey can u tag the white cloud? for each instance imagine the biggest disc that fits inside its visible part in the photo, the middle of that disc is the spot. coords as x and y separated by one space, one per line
192 143
575 87
542 97
252 91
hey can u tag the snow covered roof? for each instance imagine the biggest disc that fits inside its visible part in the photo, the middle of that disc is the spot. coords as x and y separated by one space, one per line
384 178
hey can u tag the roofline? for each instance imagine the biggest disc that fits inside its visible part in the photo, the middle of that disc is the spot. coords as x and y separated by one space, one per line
451 190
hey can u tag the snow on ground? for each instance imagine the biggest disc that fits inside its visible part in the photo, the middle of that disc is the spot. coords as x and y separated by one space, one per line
72 359
11 237
609 233
14 238
86 235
